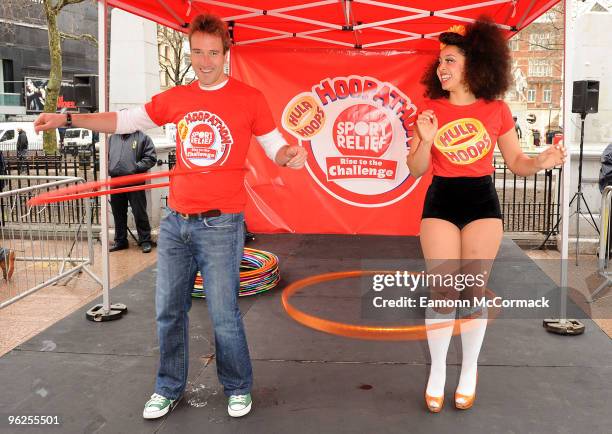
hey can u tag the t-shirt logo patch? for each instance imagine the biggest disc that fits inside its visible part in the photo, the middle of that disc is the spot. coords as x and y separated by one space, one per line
463 141
205 139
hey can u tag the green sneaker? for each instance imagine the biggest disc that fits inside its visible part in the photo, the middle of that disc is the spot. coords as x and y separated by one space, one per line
239 405
157 406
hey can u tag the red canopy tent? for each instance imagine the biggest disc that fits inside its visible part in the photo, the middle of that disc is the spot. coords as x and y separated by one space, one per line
389 41
361 25
298 43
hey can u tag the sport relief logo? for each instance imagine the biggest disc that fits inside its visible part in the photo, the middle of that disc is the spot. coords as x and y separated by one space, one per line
205 139
463 141
356 132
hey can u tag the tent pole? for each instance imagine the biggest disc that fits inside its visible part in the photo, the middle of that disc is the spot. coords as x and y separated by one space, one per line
562 325
104 311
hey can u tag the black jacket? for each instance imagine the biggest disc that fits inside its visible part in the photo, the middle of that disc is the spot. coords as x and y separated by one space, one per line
22 141
130 153
2 170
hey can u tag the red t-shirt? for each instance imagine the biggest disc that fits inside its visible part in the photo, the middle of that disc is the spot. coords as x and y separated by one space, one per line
466 136
214 128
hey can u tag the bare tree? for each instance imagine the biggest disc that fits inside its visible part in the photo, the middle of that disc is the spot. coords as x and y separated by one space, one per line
552 22
173 59
52 10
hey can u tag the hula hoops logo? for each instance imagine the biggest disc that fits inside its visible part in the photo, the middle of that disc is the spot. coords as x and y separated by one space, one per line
463 141
205 139
356 131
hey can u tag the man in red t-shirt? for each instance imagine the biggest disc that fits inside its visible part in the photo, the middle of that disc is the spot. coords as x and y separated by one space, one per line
215 118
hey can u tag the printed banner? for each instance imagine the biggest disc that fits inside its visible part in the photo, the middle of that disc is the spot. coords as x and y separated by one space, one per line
35 93
354 114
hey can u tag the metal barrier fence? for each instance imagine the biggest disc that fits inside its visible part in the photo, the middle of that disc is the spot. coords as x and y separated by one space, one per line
529 204
45 244
55 165
604 241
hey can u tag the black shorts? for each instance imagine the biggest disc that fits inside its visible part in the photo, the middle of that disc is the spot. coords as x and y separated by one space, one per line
461 200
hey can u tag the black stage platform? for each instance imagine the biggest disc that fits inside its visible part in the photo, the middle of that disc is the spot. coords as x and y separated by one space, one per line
96 377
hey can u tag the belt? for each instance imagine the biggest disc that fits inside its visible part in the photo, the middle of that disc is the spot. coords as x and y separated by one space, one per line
199 215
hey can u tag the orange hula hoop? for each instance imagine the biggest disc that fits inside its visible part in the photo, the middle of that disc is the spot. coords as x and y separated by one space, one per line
96 188
367 332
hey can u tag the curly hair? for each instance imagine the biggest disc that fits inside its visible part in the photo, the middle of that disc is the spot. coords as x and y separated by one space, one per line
487 62
213 25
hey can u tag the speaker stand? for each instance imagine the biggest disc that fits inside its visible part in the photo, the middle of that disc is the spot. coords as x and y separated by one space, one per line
578 197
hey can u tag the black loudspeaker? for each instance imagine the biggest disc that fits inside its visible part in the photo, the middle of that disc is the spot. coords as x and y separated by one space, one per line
86 91
586 96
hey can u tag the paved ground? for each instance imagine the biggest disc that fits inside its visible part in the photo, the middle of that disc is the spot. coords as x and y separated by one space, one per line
96 377
27 317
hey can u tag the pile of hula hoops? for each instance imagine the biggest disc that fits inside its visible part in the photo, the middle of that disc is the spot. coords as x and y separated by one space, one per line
258 273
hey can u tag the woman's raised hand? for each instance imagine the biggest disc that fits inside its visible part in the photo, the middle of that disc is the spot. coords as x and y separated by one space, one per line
427 126
553 156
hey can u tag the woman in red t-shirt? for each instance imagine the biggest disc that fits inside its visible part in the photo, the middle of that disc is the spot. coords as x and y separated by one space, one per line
461 227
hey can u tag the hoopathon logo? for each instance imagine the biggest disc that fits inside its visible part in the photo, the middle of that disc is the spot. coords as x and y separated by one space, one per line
463 141
356 131
205 139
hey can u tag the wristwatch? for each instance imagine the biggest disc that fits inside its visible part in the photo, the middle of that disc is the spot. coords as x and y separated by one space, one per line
68 123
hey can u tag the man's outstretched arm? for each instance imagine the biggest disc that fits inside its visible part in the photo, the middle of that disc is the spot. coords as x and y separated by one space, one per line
105 122
121 122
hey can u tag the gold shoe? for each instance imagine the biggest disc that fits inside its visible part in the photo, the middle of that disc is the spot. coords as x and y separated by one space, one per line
467 400
434 403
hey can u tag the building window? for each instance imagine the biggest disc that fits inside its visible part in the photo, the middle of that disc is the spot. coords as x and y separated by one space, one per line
540 68
547 97
531 95
7 76
539 41
513 44
164 79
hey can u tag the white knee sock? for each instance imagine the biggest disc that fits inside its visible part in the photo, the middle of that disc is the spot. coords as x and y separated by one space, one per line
472 335
438 340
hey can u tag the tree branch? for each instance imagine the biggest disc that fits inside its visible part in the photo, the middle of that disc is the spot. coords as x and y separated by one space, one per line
545 47
172 63
86 37
61 3
182 77
164 68
164 59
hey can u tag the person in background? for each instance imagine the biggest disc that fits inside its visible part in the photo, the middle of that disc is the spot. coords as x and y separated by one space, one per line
129 154
22 150
517 127
3 171
536 137
605 179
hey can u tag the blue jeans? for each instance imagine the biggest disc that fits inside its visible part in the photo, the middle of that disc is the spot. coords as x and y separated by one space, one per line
213 245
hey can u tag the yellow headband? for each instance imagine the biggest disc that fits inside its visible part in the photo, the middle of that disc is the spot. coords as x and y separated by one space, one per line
459 29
